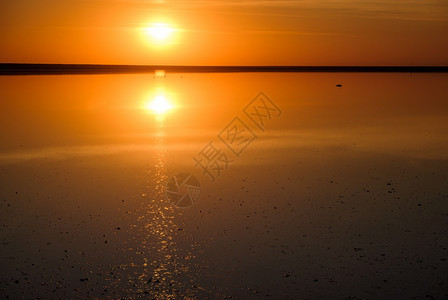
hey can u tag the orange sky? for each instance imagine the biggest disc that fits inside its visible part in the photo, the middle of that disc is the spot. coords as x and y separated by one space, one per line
321 32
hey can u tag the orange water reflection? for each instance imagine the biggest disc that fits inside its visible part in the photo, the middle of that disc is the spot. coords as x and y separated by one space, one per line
160 265
80 157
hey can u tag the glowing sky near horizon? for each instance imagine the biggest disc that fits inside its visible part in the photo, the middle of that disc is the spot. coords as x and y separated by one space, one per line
349 32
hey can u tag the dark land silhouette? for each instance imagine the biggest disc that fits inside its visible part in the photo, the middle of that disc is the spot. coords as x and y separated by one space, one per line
60 69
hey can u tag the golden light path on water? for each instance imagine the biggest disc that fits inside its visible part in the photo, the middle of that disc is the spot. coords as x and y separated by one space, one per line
159 252
166 265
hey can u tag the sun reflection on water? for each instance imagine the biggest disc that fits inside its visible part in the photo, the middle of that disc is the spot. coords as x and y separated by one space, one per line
157 258
159 103
166 264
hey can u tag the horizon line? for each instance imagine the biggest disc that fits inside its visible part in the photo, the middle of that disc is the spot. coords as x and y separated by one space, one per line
67 69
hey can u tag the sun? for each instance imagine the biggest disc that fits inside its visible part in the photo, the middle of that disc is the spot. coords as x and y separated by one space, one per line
160 31
159 105
160 34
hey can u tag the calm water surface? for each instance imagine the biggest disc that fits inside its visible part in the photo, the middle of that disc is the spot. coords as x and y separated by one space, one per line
325 192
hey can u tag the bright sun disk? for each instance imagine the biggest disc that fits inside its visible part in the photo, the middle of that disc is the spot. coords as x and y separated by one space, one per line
160 31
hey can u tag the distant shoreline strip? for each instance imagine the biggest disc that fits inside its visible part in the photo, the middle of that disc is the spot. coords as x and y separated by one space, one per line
66 69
